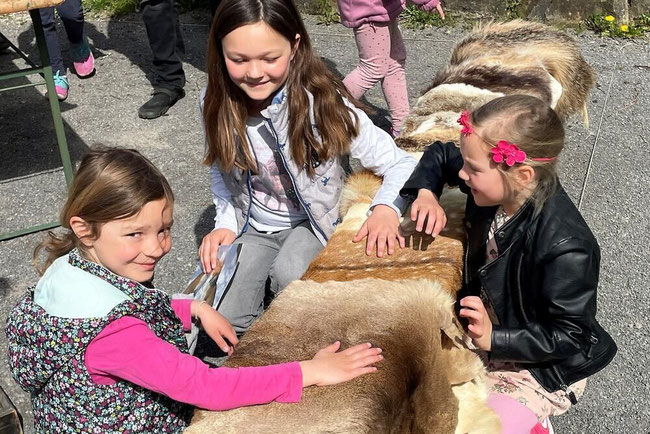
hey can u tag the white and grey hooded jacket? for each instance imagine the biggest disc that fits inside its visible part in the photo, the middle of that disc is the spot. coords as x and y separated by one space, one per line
320 196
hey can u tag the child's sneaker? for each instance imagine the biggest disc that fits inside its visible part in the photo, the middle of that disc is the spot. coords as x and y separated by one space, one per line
543 427
85 68
61 86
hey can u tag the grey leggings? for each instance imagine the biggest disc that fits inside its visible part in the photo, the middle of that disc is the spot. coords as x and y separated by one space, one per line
280 257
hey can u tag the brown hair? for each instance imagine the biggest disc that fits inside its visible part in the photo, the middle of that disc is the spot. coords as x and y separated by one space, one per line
225 105
110 184
534 127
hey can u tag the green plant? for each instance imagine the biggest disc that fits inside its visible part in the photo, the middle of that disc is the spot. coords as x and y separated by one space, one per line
608 25
513 9
326 13
414 18
112 7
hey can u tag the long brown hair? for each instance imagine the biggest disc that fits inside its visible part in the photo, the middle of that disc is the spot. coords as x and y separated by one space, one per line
225 105
534 127
110 184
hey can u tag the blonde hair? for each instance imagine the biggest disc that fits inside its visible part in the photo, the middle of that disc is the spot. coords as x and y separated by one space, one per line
225 105
534 127
110 184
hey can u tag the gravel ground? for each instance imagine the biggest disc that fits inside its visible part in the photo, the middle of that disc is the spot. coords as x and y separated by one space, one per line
602 170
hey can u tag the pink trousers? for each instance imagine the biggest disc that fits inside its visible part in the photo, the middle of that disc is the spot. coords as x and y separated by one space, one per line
382 55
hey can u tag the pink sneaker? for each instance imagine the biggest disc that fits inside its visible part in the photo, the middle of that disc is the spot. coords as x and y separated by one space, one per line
543 427
61 86
85 68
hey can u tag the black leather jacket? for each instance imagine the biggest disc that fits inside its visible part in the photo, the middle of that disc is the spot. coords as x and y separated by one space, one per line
542 285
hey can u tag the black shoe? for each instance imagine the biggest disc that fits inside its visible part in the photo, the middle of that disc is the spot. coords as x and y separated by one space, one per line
160 102
4 45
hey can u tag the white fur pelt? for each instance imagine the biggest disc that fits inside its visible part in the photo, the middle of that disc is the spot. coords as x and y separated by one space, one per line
497 59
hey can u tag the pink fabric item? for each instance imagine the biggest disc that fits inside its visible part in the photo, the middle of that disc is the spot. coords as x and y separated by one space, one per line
515 417
356 12
382 55
543 427
85 68
61 92
127 349
183 309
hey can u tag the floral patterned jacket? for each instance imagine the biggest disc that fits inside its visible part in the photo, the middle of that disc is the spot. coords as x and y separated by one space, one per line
46 357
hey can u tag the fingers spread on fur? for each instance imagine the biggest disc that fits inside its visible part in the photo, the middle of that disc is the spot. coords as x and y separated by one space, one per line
363 232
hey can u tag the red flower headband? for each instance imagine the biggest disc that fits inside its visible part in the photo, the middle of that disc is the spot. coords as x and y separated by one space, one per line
504 151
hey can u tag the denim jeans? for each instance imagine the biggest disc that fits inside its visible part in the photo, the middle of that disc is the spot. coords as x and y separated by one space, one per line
279 257
166 41
72 16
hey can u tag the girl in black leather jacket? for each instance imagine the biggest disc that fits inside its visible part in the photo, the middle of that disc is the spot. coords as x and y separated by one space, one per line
531 263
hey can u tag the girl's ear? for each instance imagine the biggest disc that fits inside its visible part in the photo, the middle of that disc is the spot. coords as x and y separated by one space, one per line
525 175
82 230
294 46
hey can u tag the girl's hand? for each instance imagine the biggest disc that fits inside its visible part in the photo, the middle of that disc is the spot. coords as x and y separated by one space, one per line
438 7
215 325
382 227
331 367
426 208
210 247
480 326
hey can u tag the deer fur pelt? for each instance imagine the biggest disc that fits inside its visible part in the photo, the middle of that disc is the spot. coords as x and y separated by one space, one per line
343 260
410 392
428 382
497 59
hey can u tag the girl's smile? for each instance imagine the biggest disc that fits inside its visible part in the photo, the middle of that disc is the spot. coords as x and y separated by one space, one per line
257 59
132 246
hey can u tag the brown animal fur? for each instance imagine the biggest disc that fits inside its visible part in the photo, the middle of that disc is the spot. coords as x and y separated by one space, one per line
497 59
411 391
429 382
424 257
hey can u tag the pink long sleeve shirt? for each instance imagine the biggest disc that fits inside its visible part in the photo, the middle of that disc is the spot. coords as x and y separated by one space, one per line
127 349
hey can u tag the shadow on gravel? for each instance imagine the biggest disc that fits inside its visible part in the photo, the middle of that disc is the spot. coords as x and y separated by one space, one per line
29 144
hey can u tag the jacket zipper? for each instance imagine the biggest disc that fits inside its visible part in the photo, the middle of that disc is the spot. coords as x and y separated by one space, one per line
250 203
293 181
563 386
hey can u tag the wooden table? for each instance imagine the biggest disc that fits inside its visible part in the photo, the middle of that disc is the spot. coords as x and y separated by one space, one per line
45 71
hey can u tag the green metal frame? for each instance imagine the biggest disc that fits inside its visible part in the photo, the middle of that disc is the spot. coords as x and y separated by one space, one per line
45 71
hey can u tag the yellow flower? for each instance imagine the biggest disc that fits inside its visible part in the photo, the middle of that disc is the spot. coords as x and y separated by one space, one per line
624 28
610 18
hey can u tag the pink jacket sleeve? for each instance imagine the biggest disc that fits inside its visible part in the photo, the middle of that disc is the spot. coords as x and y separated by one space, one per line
128 349
182 308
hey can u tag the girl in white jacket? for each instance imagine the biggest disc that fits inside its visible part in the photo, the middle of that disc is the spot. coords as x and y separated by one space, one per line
279 129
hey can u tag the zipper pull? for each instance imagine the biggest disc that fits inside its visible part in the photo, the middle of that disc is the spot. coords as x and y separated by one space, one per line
570 394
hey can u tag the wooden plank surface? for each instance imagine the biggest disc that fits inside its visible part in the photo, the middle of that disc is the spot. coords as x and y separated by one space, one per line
10 6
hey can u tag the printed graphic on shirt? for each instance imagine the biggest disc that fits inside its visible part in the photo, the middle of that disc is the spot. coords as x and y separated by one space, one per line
272 187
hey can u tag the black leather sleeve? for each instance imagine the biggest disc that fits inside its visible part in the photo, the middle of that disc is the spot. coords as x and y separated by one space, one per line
567 307
438 166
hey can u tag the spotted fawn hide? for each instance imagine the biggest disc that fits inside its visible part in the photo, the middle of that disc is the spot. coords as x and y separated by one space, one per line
428 382
515 57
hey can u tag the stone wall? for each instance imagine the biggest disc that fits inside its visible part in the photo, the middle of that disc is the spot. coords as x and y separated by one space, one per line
543 10
552 9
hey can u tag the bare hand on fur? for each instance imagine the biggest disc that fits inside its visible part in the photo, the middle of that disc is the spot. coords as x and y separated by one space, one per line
210 247
381 228
330 366
215 325
480 326
426 208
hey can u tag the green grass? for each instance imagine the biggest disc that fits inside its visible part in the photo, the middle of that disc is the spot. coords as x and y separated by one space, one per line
326 13
609 25
112 8
416 19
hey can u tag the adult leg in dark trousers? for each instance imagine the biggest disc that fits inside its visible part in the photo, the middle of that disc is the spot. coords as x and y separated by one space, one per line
161 20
